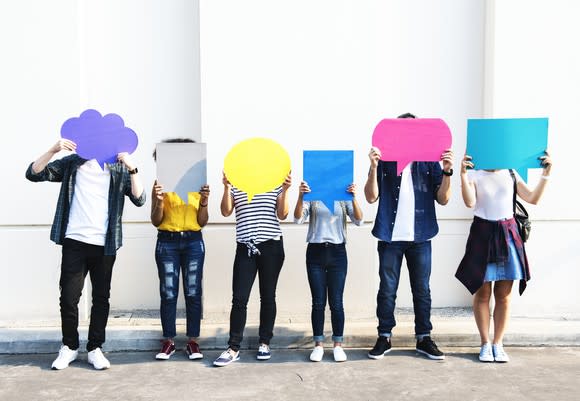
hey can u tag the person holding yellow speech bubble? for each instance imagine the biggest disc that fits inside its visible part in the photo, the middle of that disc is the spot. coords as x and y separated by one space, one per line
260 249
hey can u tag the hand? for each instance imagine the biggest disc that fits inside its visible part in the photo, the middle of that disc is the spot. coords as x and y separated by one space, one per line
352 189
546 163
466 163
374 156
204 192
126 160
158 191
63 144
303 188
287 182
447 159
227 184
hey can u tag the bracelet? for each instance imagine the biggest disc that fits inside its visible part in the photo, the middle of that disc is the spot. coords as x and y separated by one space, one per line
448 173
202 205
545 177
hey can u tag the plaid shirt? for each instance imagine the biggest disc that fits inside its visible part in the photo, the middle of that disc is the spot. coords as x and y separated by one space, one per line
64 171
488 243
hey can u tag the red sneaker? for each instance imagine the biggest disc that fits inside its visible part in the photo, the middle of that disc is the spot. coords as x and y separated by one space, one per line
167 349
193 350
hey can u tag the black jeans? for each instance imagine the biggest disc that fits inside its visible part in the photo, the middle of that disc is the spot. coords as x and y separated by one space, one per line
78 259
267 265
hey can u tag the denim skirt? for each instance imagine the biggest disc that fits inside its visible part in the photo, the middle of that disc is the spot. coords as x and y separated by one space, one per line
510 270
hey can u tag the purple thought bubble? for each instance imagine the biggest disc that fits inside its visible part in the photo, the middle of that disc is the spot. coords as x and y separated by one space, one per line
405 140
99 137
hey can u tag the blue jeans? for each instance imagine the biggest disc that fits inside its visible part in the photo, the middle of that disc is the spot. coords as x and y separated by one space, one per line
326 265
175 252
418 256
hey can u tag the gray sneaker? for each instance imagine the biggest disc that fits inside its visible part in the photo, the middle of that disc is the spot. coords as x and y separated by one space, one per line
227 357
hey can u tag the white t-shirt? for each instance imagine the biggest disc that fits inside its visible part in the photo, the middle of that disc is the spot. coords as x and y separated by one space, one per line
404 228
89 211
494 193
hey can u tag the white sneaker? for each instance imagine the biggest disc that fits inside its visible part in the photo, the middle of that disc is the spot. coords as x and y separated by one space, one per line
499 354
317 354
65 356
98 360
485 353
339 354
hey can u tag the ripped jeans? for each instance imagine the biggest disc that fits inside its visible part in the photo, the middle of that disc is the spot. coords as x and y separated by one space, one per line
175 252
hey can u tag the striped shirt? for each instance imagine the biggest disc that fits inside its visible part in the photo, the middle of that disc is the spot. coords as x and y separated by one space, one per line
256 221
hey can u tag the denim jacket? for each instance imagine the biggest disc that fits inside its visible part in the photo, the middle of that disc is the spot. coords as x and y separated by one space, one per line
64 170
427 177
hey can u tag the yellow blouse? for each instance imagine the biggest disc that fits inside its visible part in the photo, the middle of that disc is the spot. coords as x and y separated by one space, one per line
179 216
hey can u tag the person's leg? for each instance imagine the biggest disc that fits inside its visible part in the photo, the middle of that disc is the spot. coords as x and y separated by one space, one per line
481 311
418 256
317 283
192 259
245 270
336 278
167 259
72 277
100 270
390 259
502 295
270 263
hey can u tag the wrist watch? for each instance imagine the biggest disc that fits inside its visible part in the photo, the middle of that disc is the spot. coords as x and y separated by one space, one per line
134 171
447 173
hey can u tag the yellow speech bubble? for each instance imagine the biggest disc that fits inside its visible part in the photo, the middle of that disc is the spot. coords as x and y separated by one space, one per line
257 165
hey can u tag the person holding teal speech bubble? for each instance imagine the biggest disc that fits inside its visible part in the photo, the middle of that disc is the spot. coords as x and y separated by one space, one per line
259 251
404 225
326 263
495 252
179 248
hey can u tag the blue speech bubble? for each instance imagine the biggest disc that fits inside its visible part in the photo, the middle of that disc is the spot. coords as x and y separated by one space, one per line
328 174
99 137
192 180
507 143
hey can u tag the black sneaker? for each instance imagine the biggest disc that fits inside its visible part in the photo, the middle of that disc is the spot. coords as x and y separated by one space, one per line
381 348
428 347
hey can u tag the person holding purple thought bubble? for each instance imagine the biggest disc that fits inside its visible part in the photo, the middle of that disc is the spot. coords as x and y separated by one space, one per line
87 224
404 225
259 251
179 247
495 251
326 263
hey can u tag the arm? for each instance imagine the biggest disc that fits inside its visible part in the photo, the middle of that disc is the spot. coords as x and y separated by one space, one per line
62 144
444 191
202 214
282 207
156 204
42 170
372 186
227 205
136 184
357 214
533 196
467 187
299 209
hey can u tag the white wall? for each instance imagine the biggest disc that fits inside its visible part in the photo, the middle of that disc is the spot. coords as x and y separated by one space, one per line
309 74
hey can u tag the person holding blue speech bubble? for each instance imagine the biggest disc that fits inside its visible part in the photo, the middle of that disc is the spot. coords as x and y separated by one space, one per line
179 248
495 251
259 251
326 263
404 226
87 224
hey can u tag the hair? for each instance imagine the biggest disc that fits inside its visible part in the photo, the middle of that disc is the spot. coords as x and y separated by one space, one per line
407 115
173 140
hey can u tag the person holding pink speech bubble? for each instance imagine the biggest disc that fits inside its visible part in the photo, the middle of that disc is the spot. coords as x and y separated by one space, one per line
404 226
87 224
326 263
179 248
495 251
259 251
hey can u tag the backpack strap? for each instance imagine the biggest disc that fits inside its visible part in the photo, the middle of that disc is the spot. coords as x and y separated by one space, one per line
515 189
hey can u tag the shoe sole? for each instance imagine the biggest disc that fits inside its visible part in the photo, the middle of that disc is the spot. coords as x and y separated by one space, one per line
379 356
263 358
195 356
428 355
221 364
164 357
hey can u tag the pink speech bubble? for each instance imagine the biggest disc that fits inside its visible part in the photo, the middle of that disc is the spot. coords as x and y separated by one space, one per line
405 140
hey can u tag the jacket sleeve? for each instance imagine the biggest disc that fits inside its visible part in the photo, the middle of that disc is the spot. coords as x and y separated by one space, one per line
137 201
53 172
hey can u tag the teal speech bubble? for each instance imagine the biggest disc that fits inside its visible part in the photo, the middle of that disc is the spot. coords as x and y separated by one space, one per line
507 143
328 174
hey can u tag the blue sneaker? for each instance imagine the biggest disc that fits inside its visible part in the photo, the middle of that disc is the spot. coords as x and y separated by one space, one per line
227 357
263 352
